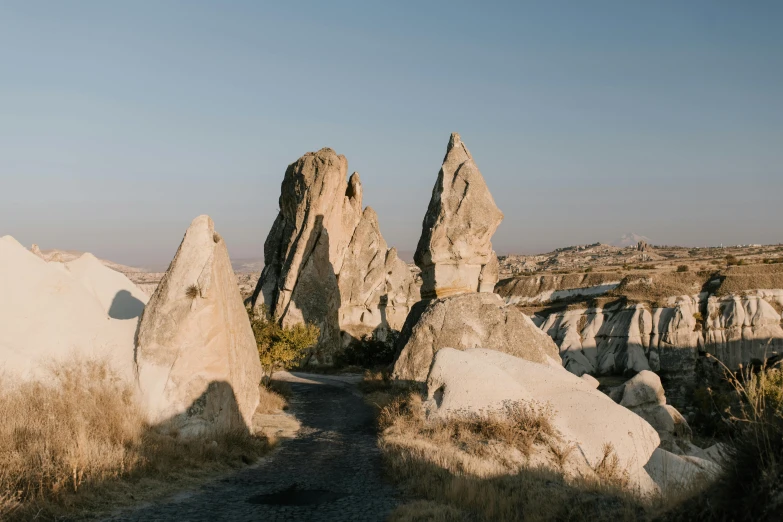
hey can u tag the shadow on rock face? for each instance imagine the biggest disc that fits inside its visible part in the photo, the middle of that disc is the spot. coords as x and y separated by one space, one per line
213 412
125 306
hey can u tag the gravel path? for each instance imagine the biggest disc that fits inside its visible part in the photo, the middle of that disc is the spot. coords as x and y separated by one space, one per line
330 471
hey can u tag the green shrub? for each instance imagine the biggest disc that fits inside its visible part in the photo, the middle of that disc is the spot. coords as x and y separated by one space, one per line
280 348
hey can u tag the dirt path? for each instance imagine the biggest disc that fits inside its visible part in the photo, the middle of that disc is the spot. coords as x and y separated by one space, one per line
330 471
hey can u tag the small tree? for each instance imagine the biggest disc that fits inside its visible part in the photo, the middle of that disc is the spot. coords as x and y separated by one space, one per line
280 348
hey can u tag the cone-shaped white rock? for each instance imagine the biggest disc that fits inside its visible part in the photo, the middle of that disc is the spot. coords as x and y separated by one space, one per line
50 312
455 250
120 298
197 361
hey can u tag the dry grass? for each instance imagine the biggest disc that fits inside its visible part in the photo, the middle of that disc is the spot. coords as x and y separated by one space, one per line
493 468
737 279
274 398
751 488
192 291
657 287
78 443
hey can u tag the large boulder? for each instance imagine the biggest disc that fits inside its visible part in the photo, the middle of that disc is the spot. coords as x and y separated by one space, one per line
644 395
674 473
481 382
475 320
50 313
455 250
325 259
197 361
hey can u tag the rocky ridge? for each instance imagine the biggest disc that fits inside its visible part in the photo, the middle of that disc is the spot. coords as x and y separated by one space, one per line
326 261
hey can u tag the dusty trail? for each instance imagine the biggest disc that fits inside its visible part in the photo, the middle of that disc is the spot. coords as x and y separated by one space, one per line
330 471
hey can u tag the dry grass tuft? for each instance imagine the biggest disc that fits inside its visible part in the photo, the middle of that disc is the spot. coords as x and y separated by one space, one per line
192 292
79 443
494 467
609 470
273 398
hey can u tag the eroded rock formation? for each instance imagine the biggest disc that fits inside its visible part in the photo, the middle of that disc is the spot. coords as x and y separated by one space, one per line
475 320
326 261
459 271
455 250
196 359
487 382
644 395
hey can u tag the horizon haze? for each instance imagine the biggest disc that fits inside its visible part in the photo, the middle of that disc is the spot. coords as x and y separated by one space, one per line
121 123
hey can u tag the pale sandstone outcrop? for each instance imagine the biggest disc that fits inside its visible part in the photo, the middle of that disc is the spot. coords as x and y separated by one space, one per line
743 328
602 341
481 382
475 320
676 472
35 249
51 313
644 395
326 261
196 359
459 268
120 298
376 286
618 339
455 250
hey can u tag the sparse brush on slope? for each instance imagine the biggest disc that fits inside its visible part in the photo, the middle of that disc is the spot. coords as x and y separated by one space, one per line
751 487
465 468
79 442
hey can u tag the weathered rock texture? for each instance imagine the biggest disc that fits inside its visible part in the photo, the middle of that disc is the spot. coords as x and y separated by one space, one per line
197 361
660 322
628 338
539 289
480 382
740 328
475 320
326 261
455 250
644 395
52 313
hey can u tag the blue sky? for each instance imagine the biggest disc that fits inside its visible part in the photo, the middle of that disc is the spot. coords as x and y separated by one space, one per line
120 122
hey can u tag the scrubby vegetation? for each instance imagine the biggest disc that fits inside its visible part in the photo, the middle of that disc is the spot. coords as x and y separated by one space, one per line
78 442
751 488
491 467
280 348
474 468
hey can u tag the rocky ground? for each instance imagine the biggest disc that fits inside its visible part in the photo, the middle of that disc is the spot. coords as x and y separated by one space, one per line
330 471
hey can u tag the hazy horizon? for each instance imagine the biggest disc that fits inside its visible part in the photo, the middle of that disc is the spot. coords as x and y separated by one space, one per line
121 123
